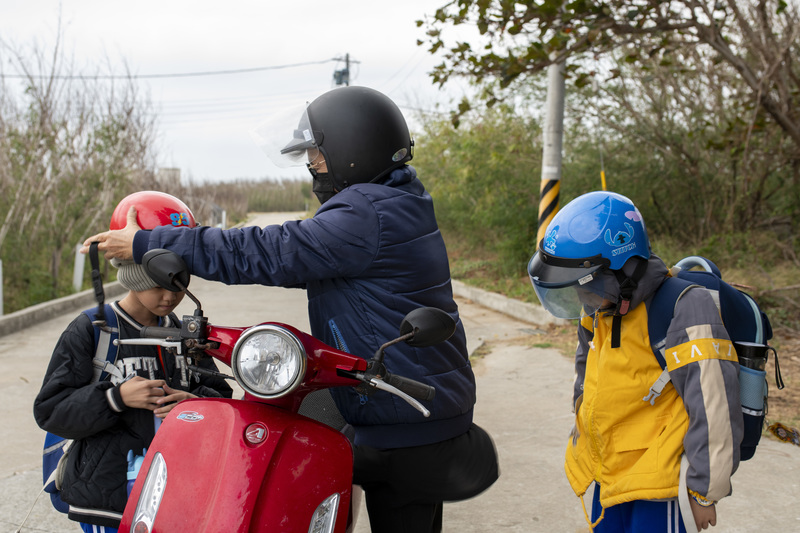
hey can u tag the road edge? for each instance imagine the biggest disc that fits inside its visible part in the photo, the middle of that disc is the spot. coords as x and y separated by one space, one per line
36 314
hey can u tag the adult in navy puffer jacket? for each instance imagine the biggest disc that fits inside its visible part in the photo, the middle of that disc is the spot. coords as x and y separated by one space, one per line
371 254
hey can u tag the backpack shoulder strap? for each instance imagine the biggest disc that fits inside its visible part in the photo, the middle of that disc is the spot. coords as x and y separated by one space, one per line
105 351
661 311
97 282
659 316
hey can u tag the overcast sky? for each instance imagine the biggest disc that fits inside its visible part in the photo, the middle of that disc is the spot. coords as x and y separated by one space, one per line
204 122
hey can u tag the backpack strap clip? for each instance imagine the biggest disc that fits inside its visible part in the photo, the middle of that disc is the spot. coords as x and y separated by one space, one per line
657 388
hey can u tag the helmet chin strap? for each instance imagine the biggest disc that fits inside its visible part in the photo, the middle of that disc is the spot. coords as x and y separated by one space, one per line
627 285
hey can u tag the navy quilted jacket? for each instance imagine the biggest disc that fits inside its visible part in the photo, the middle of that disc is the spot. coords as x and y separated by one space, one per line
367 257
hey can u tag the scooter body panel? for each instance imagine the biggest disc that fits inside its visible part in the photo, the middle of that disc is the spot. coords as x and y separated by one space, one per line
241 466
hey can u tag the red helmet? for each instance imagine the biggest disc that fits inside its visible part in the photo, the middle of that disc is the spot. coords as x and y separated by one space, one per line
153 208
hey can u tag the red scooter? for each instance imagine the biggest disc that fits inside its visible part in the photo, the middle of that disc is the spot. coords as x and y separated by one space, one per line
256 464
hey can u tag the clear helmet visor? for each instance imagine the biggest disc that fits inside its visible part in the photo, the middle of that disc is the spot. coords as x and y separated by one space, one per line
568 302
572 293
287 138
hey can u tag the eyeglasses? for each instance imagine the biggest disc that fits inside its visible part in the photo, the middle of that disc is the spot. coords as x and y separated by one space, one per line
319 166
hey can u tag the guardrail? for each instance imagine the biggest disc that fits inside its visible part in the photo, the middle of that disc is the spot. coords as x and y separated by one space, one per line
36 314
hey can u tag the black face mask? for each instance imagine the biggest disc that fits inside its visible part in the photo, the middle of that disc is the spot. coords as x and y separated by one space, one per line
322 186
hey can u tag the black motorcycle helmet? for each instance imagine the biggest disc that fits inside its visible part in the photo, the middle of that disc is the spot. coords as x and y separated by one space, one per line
360 132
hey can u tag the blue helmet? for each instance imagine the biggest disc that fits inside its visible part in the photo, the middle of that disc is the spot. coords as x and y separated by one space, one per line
595 232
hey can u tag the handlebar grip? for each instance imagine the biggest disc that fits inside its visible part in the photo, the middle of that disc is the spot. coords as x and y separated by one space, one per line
157 332
413 388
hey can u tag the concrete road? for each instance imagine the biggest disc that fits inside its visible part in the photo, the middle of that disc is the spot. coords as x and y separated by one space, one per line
523 401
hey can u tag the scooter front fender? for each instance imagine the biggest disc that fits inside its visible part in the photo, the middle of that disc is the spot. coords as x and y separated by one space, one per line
241 466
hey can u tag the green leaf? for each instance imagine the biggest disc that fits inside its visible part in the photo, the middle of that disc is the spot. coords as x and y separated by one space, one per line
582 80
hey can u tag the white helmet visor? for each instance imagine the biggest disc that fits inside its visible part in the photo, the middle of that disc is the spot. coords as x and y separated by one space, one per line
287 141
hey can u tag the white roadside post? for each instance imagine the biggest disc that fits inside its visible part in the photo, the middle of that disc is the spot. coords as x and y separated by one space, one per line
77 272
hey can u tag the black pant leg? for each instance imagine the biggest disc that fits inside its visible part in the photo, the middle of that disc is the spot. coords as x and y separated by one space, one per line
385 517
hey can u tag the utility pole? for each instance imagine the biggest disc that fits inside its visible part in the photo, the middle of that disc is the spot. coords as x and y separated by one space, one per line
342 77
551 152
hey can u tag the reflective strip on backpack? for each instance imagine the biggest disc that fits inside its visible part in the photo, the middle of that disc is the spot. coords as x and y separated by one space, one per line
752 412
53 447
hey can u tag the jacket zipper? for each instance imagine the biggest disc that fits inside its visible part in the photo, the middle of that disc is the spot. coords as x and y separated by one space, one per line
591 414
337 336
342 345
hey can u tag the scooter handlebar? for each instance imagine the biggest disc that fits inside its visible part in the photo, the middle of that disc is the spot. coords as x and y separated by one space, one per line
413 388
157 332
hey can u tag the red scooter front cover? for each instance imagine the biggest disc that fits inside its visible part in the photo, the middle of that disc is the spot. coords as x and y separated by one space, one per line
243 466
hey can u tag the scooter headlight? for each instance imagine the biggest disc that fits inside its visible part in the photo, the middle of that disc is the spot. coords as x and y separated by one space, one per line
150 498
268 361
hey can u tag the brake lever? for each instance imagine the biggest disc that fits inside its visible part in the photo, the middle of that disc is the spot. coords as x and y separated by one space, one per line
378 383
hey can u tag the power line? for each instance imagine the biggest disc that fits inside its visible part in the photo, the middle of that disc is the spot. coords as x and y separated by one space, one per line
173 75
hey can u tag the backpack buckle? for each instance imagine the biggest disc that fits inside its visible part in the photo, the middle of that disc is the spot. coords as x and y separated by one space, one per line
651 396
657 388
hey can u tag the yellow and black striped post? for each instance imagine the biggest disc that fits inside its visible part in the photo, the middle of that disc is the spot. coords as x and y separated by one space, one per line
548 205
551 151
602 171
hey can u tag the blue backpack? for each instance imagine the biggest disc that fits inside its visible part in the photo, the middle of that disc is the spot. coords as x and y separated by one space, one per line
744 322
55 447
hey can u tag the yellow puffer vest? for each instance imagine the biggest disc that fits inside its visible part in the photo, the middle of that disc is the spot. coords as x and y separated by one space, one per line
630 447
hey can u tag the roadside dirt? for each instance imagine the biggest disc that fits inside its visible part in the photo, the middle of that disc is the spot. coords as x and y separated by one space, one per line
784 405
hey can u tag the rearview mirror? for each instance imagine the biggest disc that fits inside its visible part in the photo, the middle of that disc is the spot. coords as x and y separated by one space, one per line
429 325
166 268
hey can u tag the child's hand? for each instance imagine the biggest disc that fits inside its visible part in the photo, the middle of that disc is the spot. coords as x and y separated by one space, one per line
141 393
166 403
703 516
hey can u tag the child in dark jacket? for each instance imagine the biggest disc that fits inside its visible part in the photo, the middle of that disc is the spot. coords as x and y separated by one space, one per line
121 412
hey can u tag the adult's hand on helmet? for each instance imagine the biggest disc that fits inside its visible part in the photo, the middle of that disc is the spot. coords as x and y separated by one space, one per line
116 243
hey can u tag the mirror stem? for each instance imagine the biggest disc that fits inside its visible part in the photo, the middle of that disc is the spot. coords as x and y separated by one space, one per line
379 354
191 296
